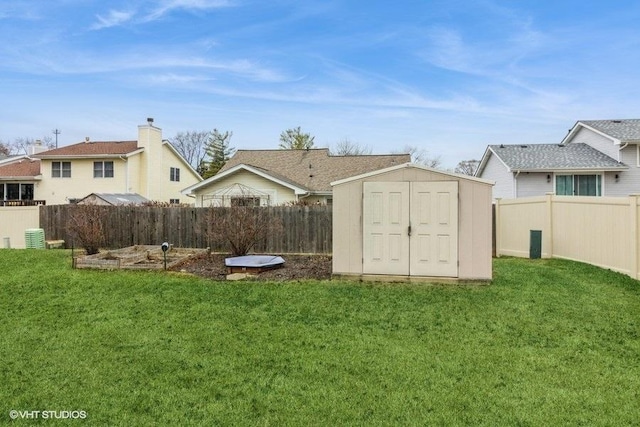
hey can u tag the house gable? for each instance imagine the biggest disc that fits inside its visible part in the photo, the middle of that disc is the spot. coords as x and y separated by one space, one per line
244 182
494 169
305 174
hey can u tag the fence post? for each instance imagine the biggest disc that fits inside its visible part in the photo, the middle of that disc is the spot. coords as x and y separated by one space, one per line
547 242
497 227
633 232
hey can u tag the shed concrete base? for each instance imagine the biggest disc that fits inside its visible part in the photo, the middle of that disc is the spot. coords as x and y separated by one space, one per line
410 279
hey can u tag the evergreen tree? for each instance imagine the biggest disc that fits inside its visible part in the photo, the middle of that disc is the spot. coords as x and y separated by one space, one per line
217 151
295 139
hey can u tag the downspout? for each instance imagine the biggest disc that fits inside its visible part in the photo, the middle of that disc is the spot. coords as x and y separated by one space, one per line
515 185
126 175
304 196
622 148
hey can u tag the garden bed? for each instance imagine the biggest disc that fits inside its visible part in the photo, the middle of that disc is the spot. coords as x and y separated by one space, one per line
295 267
138 257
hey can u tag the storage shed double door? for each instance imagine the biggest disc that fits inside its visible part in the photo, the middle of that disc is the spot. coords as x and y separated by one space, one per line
411 228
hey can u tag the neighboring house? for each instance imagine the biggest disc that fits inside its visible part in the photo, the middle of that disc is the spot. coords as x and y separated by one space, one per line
596 158
114 199
149 166
276 177
19 176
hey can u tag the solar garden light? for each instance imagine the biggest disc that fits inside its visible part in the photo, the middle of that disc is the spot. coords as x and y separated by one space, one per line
165 248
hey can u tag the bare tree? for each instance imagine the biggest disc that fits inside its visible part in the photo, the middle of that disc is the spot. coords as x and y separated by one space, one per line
86 227
295 139
346 147
241 227
21 145
467 167
192 146
420 156
4 149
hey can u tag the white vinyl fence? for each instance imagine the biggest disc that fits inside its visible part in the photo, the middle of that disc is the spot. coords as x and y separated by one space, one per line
14 220
602 231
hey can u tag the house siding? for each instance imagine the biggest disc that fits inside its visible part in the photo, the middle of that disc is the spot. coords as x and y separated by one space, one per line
279 193
496 171
597 141
629 180
59 190
171 189
530 184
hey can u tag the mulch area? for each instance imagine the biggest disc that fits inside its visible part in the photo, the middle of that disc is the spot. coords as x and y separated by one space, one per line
296 267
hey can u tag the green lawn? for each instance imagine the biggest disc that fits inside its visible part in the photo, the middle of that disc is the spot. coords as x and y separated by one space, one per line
549 342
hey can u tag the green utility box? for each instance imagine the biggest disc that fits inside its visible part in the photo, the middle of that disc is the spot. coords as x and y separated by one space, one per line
535 244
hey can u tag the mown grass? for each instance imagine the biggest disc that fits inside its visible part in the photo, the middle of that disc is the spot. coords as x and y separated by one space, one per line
549 342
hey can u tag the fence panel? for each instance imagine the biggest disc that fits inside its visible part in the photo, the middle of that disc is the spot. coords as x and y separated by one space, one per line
603 231
306 229
14 220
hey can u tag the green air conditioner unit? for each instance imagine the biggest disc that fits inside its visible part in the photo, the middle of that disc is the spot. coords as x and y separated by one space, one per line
34 238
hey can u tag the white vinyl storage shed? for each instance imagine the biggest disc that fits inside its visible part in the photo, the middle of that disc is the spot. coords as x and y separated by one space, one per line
410 221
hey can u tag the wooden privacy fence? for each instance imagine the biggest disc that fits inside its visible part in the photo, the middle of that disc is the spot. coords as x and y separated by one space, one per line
306 229
602 231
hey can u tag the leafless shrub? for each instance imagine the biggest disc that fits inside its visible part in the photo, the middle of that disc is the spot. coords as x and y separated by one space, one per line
159 204
240 228
85 225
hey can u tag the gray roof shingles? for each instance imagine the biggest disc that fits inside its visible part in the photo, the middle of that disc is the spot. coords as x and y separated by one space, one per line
550 157
627 130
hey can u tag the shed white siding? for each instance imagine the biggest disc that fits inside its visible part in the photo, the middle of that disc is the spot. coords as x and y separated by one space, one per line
473 221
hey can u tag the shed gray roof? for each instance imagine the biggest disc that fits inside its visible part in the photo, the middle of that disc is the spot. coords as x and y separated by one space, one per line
120 198
550 157
625 130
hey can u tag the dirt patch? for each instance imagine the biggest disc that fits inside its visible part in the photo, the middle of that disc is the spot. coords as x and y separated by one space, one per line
296 267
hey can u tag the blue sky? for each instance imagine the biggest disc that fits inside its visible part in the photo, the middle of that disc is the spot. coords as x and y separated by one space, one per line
448 76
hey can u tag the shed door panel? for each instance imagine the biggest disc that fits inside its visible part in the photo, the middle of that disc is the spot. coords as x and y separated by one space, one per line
434 229
385 225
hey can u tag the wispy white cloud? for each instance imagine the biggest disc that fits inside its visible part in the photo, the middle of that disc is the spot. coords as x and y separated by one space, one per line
113 19
167 6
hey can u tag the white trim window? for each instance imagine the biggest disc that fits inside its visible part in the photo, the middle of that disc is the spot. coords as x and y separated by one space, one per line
579 185
103 169
174 174
60 169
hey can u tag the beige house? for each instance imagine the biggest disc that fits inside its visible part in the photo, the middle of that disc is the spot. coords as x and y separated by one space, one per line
19 176
411 221
148 166
277 177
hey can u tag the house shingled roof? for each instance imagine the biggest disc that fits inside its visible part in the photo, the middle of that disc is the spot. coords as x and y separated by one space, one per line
96 148
627 130
550 157
312 169
23 168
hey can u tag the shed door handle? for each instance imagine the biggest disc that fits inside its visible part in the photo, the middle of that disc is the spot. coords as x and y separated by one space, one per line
409 230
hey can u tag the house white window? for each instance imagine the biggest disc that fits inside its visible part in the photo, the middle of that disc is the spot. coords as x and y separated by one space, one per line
174 201
174 174
103 169
61 170
579 185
